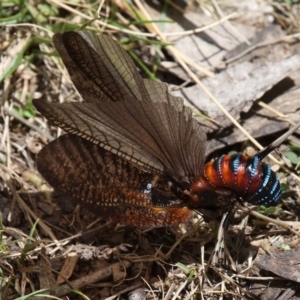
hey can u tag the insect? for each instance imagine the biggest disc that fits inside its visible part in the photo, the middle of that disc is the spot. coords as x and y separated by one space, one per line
133 152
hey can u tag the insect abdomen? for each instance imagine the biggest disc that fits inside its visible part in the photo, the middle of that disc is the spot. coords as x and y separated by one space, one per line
246 176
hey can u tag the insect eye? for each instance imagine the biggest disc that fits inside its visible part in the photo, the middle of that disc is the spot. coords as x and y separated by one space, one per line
146 188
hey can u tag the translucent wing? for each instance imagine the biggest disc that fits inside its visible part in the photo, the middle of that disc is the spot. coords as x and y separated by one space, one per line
135 118
99 67
108 185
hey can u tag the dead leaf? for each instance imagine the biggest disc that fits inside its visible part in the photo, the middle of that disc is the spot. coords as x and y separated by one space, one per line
67 268
262 122
204 48
284 264
237 87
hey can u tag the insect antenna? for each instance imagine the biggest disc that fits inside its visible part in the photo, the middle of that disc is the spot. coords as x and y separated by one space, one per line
264 152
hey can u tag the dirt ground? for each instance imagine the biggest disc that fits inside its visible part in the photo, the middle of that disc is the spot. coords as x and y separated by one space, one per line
235 64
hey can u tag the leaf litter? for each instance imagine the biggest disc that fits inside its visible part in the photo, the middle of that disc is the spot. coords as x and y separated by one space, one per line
152 254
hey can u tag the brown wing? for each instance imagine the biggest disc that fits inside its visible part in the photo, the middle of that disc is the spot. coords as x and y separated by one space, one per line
107 184
99 68
134 118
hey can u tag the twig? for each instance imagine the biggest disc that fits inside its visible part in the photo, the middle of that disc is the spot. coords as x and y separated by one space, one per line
288 38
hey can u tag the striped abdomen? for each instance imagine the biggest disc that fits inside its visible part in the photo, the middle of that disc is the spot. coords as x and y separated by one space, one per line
245 176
